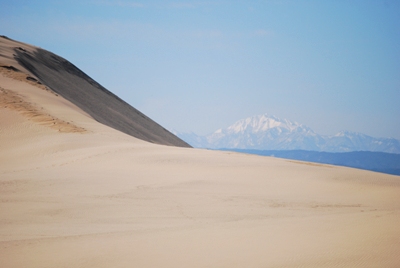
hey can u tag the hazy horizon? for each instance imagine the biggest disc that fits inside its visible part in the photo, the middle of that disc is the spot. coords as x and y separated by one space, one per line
202 65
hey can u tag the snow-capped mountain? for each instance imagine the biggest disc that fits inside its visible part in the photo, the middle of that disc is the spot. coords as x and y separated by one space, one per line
262 132
265 132
346 141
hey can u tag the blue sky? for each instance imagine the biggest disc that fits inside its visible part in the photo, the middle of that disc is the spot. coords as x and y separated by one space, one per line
201 65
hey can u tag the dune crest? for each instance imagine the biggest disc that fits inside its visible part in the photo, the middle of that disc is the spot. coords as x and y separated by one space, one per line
66 80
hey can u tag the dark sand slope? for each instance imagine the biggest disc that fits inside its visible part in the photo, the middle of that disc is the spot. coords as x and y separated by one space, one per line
74 85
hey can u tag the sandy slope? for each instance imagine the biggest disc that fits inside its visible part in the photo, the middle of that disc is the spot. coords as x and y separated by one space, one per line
101 198
74 85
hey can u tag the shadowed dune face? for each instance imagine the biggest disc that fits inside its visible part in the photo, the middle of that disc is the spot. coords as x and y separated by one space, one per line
74 85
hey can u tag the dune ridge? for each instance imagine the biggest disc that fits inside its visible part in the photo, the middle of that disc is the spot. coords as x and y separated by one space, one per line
74 85
65 79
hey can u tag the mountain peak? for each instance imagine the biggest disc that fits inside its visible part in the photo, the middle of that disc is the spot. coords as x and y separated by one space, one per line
346 133
268 132
260 123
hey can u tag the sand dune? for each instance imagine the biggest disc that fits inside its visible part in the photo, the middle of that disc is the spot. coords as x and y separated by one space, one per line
67 80
12 101
102 198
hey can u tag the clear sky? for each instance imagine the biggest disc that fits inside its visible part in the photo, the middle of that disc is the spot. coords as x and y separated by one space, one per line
202 65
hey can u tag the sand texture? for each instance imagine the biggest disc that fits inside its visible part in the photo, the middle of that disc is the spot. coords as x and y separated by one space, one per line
67 80
102 198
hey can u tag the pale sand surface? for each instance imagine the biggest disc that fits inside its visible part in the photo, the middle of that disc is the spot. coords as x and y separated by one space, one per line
100 198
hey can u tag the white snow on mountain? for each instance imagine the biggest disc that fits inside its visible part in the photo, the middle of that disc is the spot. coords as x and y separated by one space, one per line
261 123
266 132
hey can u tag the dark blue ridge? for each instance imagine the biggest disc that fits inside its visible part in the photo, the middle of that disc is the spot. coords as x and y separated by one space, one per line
375 161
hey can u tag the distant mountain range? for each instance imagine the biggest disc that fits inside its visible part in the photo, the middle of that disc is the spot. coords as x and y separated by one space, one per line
271 136
265 132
